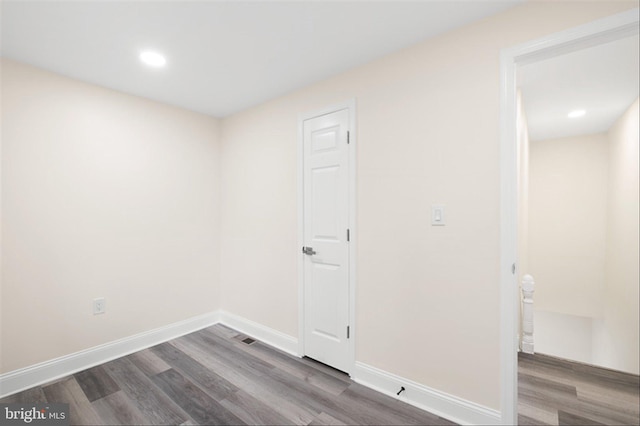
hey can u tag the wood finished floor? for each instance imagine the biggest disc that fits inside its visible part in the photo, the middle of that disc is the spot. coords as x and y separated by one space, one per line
213 377
553 391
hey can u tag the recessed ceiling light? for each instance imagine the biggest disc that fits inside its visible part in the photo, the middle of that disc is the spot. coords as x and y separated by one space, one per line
153 59
577 113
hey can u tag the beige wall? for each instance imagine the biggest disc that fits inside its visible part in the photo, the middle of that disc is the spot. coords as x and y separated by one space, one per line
428 132
621 325
568 223
103 194
565 336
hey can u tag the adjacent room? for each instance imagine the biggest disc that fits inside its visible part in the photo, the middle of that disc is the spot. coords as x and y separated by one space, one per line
266 212
578 231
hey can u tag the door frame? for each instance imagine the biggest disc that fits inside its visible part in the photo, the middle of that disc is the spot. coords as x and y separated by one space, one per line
349 105
597 32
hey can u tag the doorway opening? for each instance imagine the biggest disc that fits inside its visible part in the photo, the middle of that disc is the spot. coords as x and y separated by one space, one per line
578 203
513 263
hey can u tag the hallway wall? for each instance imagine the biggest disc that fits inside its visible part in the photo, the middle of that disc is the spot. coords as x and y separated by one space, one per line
427 133
621 328
568 223
583 245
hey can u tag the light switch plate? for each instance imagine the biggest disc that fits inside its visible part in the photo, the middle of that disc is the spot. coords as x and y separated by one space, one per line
99 306
437 215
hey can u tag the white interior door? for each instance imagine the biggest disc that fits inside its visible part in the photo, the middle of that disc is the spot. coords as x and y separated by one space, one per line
325 237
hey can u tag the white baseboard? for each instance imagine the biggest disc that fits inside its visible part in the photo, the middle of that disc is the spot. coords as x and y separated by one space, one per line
25 378
447 406
272 337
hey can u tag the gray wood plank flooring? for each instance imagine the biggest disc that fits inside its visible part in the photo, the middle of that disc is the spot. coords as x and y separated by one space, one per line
553 391
213 377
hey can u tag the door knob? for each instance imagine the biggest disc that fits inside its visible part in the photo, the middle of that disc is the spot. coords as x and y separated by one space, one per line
308 250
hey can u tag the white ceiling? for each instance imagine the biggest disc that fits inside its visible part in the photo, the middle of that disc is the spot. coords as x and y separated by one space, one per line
603 80
222 56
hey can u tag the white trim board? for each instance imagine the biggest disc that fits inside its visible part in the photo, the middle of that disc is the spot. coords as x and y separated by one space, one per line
597 32
439 403
34 375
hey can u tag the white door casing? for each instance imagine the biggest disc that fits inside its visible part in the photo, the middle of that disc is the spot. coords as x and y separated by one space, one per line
325 227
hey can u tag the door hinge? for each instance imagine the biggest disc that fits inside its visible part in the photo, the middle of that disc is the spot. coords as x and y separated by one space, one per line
347 332
348 137
348 235
513 268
